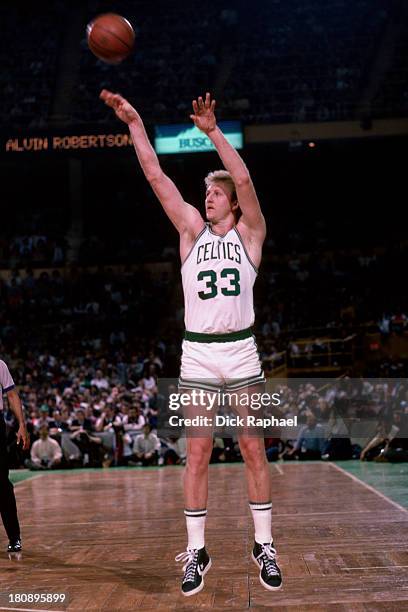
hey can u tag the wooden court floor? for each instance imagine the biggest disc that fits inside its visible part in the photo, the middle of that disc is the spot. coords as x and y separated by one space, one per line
108 539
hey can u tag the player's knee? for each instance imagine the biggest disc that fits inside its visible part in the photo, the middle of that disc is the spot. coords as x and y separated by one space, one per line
253 452
198 456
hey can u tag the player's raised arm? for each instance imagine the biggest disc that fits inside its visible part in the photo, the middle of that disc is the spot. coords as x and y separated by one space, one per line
204 119
185 217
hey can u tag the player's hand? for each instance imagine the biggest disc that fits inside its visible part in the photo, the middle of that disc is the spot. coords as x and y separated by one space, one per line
22 437
204 117
122 108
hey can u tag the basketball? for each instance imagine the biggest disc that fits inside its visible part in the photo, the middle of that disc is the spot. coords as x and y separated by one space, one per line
110 37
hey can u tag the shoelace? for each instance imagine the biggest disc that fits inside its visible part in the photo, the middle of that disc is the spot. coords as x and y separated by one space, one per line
268 557
191 561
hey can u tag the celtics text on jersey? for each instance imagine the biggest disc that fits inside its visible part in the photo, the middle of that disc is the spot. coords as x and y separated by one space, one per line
218 278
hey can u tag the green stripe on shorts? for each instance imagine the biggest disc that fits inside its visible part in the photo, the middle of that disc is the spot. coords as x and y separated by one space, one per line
230 337
244 382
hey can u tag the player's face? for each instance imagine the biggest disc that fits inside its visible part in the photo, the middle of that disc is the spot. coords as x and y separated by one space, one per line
217 203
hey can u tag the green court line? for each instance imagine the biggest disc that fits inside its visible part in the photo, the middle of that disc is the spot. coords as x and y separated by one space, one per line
17 476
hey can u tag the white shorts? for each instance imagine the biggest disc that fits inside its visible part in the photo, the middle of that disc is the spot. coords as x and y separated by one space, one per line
229 365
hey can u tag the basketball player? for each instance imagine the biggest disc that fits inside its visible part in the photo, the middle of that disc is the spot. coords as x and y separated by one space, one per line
8 507
219 266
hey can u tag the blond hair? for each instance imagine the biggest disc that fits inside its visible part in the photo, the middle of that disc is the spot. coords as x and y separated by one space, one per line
222 177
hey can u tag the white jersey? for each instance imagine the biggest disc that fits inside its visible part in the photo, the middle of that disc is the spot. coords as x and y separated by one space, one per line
218 278
6 381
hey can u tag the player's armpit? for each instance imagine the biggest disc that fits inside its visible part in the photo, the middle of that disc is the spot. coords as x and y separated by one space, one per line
252 227
183 216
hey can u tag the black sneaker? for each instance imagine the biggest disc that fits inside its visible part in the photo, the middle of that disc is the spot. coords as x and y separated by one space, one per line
197 564
14 550
264 555
14 546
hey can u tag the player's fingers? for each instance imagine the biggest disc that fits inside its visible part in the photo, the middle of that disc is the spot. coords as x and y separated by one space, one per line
117 98
200 102
109 100
105 93
207 100
212 105
195 106
117 102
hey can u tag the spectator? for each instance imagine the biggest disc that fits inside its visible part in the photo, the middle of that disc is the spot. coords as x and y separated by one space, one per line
396 448
374 446
134 421
133 424
174 451
46 453
57 425
43 418
81 422
145 448
310 442
99 381
89 445
273 446
149 381
390 444
108 420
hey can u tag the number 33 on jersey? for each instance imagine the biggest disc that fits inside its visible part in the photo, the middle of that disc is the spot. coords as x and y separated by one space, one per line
218 278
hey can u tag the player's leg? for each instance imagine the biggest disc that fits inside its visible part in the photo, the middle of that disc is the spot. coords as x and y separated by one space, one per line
258 477
8 507
244 376
199 443
199 374
245 381
196 559
256 467
196 472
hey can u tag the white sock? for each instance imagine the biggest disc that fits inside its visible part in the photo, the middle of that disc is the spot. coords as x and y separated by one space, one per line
195 522
262 515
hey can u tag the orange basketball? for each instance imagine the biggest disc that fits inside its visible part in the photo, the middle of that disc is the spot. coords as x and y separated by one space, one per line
110 37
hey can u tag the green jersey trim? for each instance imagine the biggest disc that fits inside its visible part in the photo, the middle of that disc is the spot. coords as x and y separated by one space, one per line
246 252
218 235
229 337
194 243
